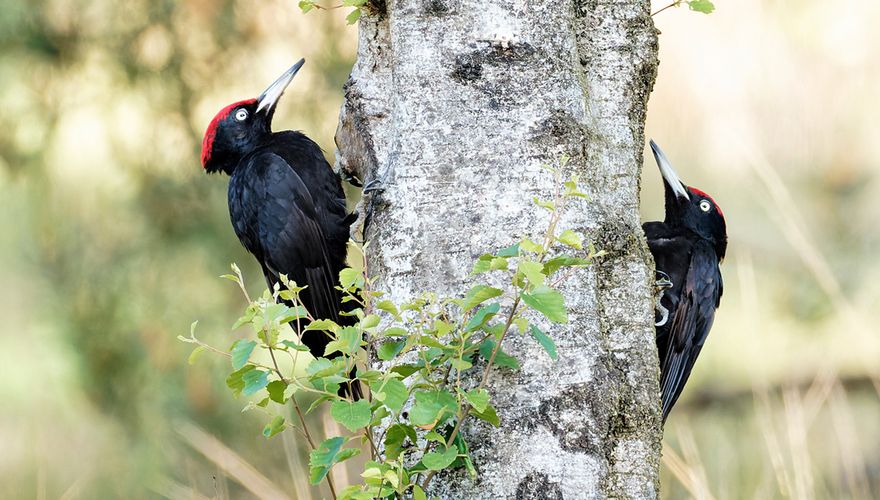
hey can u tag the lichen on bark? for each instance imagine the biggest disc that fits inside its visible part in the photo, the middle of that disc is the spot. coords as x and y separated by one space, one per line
454 105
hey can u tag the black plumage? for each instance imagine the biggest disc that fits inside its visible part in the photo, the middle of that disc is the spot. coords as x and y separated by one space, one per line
688 247
286 204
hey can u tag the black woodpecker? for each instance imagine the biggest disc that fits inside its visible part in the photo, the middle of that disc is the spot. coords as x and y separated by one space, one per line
286 204
688 247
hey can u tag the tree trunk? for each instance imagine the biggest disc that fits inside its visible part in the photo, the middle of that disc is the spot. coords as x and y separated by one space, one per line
454 105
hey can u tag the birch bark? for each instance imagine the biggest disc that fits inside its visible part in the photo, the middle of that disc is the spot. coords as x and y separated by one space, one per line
454 105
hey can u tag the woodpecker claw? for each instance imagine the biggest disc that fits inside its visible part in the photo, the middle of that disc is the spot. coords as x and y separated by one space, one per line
664 314
662 284
351 179
374 186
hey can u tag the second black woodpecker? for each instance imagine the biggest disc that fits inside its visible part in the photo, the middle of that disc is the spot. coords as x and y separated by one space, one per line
688 247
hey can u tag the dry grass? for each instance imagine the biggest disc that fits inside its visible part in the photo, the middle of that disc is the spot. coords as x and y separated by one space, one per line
230 462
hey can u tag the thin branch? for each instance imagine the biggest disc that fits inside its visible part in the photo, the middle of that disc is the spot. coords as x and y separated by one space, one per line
305 430
676 3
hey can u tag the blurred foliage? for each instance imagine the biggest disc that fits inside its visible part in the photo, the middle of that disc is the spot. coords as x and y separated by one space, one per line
117 236
114 237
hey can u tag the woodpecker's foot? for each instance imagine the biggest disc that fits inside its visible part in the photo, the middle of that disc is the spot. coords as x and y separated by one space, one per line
374 186
351 178
663 282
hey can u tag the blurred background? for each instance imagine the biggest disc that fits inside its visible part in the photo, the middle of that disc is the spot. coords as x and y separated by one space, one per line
114 240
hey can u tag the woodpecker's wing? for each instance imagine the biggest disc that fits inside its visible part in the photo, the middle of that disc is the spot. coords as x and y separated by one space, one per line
672 255
292 237
274 215
690 323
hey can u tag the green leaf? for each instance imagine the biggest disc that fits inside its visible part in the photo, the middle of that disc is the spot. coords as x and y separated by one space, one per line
418 493
326 375
369 376
354 492
394 394
389 307
322 324
241 352
571 189
247 318
571 238
353 16
460 364
530 246
554 264
464 459
320 367
306 5
351 415
440 460
436 437
489 415
378 415
392 478
276 390
388 350
328 454
296 347
441 327
289 391
235 379
482 316
545 341
254 380
395 439
498 264
548 302
347 341
348 277
501 358
318 402
291 314
274 427
432 408
230 277
405 370
533 271
478 295
478 399
195 354
704 6
369 321
549 205
394 331
511 251
483 264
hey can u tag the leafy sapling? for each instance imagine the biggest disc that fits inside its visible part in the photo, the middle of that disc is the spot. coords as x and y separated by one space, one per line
433 357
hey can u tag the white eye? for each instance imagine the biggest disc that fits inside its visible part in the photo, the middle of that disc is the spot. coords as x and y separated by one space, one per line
705 205
241 115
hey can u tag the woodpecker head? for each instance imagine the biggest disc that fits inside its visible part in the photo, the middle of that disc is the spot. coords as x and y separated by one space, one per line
242 126
691 208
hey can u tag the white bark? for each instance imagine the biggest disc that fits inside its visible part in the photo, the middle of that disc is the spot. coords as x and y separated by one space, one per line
454 105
